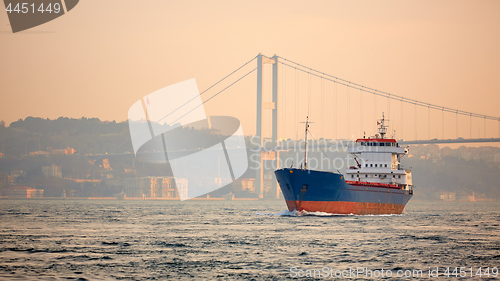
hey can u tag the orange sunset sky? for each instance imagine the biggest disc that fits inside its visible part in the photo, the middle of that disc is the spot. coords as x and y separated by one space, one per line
102 56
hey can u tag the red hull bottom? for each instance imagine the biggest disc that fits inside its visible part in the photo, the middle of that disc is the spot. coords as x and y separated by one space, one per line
339 207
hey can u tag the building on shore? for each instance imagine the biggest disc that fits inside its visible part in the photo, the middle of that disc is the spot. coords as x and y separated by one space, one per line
22 192
52 171
447 195
248 184
14 175
38 153
182 187
156 187
65 151
4 180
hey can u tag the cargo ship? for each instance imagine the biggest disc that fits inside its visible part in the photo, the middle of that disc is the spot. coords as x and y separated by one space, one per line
377 185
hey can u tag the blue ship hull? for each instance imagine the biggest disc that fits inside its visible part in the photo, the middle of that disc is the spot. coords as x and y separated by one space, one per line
317 191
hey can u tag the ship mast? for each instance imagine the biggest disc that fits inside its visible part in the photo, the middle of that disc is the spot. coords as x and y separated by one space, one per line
305 144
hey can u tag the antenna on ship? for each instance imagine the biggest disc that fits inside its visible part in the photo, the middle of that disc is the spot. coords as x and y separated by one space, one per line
382 129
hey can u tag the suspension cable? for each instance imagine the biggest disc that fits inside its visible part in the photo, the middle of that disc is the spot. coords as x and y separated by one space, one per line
283 107
348 114
206 90
416 135
470 130
383 94
361 112
442 129
484 129
309 97
429 123
213 96
322 108
401 121
296 102
335 111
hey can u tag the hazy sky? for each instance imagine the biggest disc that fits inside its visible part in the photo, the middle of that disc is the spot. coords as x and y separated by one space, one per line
102 56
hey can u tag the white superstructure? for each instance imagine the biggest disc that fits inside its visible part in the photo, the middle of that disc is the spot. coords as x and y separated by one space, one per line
378 161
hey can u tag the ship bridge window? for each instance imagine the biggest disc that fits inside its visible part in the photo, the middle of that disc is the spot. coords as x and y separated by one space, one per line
399 176
371 165
366 165
366 176
352 176
386 165
375 165
382 144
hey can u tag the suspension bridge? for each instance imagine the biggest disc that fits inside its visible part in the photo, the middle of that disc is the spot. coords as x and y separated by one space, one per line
346 102
288 91
347 106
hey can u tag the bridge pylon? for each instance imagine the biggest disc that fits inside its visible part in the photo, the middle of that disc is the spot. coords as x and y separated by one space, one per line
273 106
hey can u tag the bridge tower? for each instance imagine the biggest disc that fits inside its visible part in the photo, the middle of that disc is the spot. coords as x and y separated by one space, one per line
262 155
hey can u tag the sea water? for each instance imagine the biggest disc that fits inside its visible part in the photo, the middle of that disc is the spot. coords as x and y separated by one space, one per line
242 240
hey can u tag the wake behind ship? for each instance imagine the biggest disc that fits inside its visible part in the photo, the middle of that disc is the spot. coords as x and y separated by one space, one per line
377 185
